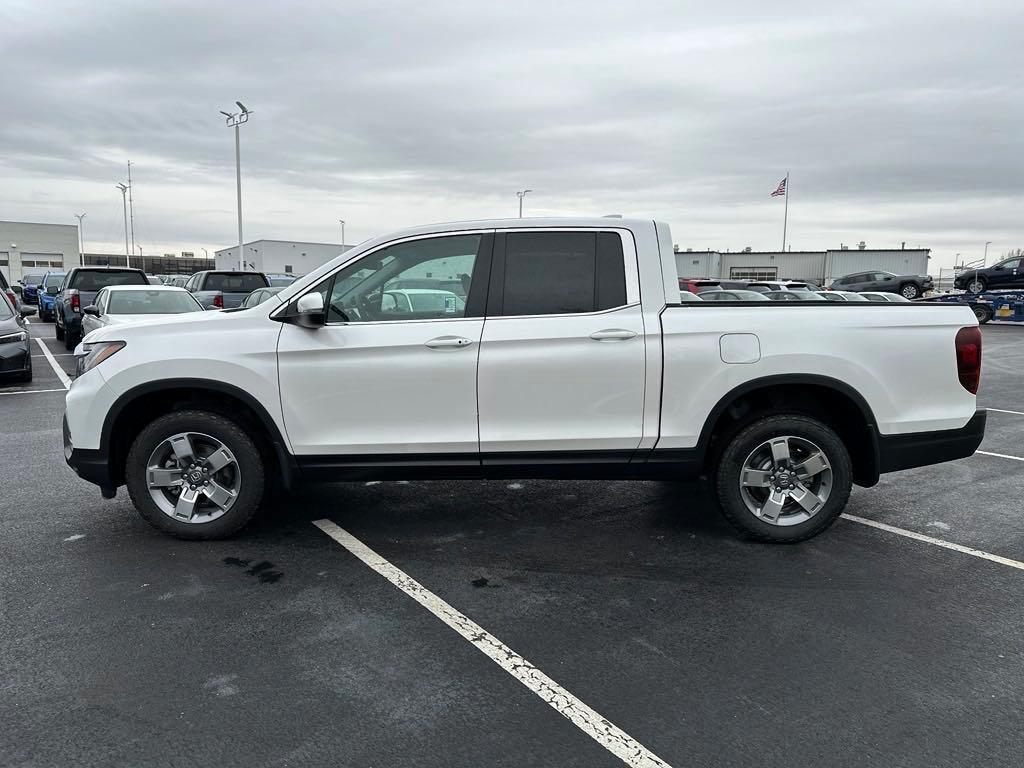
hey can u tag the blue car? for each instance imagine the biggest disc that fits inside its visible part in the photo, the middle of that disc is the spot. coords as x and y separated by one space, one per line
47 293
30 285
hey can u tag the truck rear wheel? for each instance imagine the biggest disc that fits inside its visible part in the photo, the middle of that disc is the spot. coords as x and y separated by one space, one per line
58 331
195 475
784 478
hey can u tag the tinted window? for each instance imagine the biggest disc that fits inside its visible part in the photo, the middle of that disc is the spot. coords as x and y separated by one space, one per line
548 273
151 303
234 282
1011 264
6 312
32 278
53 279
87 280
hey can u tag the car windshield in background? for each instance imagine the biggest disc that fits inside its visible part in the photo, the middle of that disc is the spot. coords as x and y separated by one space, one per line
152 303
685 296
53 279
92 281
733 296
235 283
281 281
33 278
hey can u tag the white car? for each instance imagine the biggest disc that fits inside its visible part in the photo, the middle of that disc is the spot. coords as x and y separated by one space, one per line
120 304
420 300
571 356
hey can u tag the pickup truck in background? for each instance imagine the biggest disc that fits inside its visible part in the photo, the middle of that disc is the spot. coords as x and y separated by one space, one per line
79 289
224 290
571 356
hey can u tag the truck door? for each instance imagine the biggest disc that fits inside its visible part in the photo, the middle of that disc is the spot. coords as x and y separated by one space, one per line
562 354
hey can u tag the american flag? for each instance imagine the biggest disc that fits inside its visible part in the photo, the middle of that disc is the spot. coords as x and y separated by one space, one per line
781 190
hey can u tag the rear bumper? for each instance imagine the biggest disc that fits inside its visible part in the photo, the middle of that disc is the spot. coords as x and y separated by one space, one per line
919 449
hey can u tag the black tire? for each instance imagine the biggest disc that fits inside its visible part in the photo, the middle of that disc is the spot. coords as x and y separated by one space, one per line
26 376
910 291
58 329
250 493
70 340
983 313
729 469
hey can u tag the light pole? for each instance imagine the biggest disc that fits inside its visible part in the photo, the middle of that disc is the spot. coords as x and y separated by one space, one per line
81 240
206 253
984 260
131 205
342 222
124 203
233 120
521 195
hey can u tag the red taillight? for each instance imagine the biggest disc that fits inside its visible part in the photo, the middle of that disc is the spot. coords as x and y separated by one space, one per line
76 303
968 357
218 301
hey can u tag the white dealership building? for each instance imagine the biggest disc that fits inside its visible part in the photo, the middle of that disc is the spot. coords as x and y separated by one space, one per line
279 256
31 247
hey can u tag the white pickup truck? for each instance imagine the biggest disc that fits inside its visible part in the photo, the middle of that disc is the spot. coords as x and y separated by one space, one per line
551 348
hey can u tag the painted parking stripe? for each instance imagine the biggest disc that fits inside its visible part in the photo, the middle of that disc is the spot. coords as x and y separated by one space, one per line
616 741
31 391
53 364
936 542
1003 410
1001 455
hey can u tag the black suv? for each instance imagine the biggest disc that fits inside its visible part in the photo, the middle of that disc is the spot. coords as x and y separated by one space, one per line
1008 274
80 286
908 286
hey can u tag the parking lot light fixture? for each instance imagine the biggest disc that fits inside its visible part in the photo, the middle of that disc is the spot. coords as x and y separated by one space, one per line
81 240
521 194
234 120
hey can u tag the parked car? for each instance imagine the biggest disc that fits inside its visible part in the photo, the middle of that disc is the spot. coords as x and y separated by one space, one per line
280 281
177 281
892 298
48 291
78 290
841 296
780 285
572 356
698 284
120 304
793 296
260 295
734 296
30 282
1007 274
15 344
224 290
909 286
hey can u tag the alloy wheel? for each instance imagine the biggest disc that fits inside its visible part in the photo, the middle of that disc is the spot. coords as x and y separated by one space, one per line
786 480
193 477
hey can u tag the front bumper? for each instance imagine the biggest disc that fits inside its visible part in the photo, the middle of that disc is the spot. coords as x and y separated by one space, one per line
90 465
919 449
15 357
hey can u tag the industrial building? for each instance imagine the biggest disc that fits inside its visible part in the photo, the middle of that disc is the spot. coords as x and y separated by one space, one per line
168 264
27 246
821 267
280 256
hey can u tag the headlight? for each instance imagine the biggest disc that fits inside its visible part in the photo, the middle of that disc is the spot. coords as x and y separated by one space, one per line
10 338
96 353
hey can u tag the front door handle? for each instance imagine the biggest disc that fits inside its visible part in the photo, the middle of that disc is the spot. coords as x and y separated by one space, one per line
449 342
612 334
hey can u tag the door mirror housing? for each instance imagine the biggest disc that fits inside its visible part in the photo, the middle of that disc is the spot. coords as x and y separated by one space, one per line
53 290
93 310
26 311
309 311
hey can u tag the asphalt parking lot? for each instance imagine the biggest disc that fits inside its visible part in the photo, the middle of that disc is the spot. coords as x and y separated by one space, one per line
863 647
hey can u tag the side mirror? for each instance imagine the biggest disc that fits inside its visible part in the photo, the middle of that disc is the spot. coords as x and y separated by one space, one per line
27 311
309 310
18 289
93 310
998 266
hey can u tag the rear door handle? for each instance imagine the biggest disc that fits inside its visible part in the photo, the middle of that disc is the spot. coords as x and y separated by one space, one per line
612 334
449 342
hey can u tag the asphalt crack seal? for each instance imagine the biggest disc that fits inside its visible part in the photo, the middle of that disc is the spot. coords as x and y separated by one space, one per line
599 728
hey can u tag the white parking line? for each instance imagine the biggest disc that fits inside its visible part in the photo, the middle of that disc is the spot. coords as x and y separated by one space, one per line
616 741
53 364
1001 455
1001 410
31 391
937 542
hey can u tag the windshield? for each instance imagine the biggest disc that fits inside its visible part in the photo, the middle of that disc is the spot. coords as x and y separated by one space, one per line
87 280
237 282
32 278
53 279
152 303
281 280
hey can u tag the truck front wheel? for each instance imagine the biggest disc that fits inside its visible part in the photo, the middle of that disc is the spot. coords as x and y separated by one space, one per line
195 475
784 478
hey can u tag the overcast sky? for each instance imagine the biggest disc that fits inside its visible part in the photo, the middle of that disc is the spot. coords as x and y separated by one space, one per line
897 121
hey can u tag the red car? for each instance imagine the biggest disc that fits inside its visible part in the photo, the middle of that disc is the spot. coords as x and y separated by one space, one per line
698 284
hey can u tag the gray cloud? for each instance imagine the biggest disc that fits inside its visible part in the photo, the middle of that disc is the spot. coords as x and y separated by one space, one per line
898 121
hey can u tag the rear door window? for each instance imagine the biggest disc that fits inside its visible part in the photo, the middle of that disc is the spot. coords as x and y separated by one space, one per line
552 273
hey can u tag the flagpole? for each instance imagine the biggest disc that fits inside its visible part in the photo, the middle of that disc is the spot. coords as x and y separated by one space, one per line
785 216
